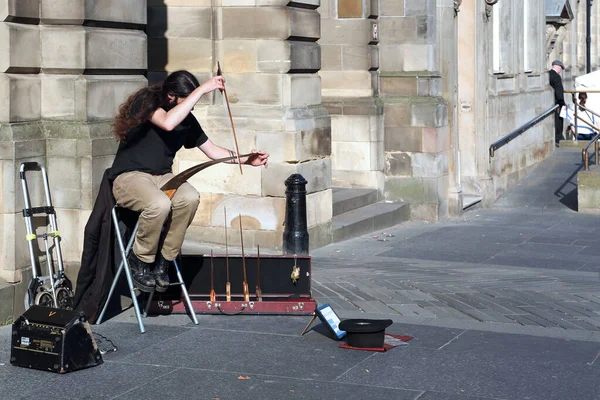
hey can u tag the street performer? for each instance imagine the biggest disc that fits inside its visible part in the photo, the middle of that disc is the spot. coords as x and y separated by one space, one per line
151 126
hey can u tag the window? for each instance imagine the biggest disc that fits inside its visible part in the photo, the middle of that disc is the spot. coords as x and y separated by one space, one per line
528 38
496 45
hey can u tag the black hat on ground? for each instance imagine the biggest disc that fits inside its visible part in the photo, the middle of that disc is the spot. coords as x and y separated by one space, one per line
365 333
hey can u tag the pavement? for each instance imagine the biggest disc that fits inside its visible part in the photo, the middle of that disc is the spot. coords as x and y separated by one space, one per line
502 303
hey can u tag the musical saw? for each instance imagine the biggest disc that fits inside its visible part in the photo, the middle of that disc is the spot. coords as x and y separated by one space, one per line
175 182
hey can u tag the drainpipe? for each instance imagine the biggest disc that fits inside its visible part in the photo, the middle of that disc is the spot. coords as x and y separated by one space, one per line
588 36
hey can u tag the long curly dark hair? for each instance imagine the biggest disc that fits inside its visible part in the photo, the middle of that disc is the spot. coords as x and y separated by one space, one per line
140 106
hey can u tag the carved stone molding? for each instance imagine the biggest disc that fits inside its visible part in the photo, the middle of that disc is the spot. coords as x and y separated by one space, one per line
457 6
488 8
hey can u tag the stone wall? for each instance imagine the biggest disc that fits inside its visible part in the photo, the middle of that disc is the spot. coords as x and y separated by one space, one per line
452 78
349 71
503 84
410 111
67 66
269 57
416 114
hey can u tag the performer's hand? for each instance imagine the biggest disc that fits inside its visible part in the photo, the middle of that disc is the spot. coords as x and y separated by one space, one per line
214 83
258 158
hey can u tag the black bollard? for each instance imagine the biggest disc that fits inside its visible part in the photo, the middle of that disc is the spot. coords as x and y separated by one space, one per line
295 235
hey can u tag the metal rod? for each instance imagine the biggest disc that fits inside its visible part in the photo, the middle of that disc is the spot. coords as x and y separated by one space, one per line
228 284
53 223
583 91
584 151
124 264
29 227
50 270
213 295
517 132
148 303
588 124
258 289
118 273
594 141
584 108
185 293
245 284
576 108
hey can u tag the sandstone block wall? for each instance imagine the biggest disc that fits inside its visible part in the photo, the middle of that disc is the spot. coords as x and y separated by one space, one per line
416 115
81 60
269 55
498 102
588 190
350 60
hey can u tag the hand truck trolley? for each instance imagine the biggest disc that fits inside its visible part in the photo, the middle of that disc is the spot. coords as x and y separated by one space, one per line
54 289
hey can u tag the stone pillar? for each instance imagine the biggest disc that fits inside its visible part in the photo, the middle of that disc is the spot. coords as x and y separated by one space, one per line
350 31
473 73
270 58
63 81
417 135
580 16
447 39
22 135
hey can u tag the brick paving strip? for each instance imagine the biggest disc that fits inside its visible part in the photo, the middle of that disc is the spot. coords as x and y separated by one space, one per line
458 291
527 265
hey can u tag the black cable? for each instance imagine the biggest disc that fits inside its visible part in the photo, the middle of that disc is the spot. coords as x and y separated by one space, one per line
102 352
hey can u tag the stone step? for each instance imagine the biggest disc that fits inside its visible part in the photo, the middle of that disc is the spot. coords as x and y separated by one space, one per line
348 199
471 201
7 297
368 219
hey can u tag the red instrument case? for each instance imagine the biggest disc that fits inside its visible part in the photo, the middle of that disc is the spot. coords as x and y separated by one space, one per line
280 293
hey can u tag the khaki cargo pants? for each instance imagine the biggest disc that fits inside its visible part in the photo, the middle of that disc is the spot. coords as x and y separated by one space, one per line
139 191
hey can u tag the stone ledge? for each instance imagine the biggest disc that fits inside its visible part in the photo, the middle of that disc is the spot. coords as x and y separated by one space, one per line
20 9
353 105
588 190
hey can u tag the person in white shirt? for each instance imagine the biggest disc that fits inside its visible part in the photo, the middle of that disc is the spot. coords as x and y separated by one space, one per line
586 121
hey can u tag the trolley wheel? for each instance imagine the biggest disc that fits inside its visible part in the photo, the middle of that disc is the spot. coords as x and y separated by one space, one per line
64 282
28 302
44 299
64 298
35 286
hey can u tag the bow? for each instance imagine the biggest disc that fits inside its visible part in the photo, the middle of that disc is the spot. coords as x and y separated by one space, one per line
226 104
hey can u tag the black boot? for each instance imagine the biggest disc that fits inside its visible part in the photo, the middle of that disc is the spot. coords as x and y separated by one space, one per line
161 273
141 273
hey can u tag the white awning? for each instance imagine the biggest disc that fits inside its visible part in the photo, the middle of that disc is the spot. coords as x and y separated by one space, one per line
586 82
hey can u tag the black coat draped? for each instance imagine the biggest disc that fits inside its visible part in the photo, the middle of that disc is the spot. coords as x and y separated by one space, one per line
96 273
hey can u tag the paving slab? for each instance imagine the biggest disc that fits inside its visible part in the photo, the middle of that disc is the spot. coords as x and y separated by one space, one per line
525 256
251 352
203 384
502 303
266 357
466 372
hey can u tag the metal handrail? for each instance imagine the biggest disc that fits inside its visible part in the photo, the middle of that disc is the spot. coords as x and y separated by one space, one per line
584 151
594 141
517 132
584 91
584 108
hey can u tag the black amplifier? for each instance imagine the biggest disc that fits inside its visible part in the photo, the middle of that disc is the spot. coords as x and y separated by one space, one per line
53 339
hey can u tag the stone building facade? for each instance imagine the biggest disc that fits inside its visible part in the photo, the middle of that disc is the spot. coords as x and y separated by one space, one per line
403 96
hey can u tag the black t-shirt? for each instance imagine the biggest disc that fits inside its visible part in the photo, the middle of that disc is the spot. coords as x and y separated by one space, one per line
150 149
